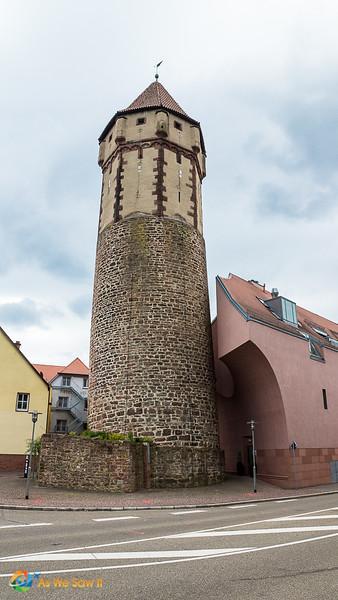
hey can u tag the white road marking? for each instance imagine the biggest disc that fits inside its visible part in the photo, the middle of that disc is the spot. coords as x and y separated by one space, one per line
161 537
288 500
24 525
315 518
115 519
242 506
187 512
130 555
197 534
166 562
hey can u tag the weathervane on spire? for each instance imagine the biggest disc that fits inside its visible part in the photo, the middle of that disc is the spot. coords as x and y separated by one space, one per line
157 66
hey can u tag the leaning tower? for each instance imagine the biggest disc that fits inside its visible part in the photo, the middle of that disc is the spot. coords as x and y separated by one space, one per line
150 355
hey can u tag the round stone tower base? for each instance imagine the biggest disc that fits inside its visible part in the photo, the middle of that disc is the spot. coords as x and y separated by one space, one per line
185 467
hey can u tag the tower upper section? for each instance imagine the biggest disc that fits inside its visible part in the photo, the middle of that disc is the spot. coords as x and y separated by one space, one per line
152 157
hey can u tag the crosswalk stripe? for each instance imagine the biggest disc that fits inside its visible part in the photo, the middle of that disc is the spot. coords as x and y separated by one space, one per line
187 512
295 518
25 525
115 519
242 506
198 534
129 555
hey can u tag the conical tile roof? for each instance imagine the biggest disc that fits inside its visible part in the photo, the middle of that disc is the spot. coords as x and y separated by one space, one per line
155 96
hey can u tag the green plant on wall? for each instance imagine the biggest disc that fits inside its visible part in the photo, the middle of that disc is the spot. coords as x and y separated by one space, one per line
113 437
35 447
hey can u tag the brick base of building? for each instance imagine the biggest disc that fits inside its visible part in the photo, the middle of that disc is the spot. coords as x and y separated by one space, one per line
303 467
82 463
12 462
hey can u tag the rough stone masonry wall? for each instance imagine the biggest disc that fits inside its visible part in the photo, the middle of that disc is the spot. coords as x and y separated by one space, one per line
151 362
80 463
151 356
184 467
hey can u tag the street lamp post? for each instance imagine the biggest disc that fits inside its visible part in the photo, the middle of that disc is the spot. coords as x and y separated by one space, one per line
35 414
252 424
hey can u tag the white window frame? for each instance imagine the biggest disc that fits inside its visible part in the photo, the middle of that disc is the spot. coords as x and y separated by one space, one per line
66 377
20 400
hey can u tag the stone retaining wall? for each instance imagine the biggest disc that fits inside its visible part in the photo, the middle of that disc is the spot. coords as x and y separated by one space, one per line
81 463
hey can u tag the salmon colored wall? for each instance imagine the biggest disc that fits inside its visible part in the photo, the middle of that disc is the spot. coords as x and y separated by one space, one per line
301 380
232 328
276 382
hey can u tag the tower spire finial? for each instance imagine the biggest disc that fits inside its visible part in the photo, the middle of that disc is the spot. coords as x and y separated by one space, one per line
157 66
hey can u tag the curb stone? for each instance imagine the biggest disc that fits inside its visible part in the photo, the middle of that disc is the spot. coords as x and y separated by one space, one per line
159 507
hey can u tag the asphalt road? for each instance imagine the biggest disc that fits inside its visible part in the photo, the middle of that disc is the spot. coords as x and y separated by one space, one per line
286 550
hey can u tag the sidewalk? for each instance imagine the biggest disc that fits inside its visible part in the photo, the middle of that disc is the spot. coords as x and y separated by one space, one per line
233 489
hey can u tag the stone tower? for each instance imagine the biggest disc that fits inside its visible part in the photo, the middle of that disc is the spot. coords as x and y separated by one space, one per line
150 356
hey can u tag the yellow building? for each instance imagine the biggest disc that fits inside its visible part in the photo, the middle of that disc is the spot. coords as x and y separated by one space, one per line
22 389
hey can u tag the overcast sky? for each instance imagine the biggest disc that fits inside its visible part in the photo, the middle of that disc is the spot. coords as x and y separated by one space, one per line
260 76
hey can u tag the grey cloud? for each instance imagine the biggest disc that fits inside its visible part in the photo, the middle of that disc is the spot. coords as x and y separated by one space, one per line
274 200
26 313
309 121
33 238
81 306
313 128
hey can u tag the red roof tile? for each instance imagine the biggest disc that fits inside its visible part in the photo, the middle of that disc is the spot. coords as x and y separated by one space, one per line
49 372
155 96
76 367
247 294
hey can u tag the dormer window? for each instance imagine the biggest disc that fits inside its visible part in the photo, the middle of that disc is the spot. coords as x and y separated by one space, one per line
284 309
289 311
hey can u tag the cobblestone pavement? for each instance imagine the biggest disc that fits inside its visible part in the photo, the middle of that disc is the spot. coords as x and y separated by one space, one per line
233 489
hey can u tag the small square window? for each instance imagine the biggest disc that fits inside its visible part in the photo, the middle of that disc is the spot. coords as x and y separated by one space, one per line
178 125
61 426
63 402
140 121
66 381
22 401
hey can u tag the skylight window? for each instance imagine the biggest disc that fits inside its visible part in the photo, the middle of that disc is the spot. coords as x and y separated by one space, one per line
314 349
319 331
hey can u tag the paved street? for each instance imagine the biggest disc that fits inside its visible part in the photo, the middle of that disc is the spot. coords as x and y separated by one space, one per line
275 550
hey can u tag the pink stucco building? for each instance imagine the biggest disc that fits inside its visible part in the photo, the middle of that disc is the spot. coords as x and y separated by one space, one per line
277 363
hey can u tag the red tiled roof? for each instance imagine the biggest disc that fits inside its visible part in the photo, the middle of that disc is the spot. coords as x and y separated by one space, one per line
49 372
247 294
76 367
155 96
